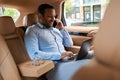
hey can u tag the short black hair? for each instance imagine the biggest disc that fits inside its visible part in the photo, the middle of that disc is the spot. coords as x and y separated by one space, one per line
41 8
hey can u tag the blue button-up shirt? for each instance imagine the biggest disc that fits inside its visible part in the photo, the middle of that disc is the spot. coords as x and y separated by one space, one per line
47 42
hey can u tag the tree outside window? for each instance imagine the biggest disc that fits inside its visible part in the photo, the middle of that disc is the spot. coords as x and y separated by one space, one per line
10 12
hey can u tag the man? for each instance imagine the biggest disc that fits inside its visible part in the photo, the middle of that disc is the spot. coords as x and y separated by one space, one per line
48 42
45 40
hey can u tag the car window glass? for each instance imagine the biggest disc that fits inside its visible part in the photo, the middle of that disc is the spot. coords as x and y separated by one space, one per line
84 12
10 12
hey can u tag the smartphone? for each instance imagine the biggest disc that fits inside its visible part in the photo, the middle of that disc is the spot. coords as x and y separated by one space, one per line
54 24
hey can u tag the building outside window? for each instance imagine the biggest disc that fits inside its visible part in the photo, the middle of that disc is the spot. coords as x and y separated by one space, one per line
87 14
96 13
91 1
80 12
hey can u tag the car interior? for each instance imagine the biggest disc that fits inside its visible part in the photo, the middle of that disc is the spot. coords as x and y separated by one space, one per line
15 63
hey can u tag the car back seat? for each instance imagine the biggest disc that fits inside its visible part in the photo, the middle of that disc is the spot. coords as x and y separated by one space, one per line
13 39
28 20
17 48
8 68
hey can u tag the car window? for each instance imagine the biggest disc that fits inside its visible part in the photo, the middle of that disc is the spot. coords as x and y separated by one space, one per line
84 12
10 12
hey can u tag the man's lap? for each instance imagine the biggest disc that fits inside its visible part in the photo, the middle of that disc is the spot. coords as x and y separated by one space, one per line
65 70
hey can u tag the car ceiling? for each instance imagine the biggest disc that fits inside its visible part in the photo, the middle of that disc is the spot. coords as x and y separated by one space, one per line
28 6
25 5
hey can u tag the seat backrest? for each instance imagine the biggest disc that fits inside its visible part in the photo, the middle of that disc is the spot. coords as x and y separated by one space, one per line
106 65
107 41
13 39
30 19
8 68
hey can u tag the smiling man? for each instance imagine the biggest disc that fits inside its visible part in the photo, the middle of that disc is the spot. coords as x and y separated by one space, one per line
48 42
45 40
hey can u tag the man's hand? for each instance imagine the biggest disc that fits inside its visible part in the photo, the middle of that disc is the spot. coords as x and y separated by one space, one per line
67 53
59 24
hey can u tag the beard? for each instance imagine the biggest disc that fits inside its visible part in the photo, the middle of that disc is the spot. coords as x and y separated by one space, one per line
48 25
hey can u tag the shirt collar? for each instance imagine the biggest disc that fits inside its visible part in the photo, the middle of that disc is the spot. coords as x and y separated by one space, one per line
42 26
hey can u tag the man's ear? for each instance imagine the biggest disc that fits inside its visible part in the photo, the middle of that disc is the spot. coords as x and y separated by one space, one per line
39 15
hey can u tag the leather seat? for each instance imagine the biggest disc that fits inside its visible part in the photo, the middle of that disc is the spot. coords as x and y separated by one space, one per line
17 50
30 19
15 45
105 65
1 77
8 68
13 39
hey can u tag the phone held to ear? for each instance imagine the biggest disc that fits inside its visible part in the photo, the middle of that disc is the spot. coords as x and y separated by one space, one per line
55 23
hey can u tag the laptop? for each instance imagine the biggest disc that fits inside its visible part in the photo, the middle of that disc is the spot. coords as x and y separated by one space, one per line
84 52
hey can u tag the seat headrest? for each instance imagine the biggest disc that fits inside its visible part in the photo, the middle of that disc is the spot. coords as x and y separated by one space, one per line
107 40
30 19
7 25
